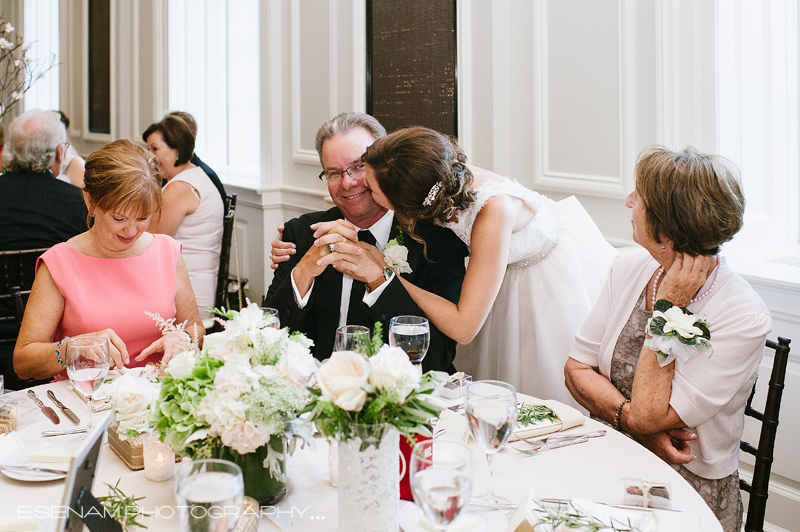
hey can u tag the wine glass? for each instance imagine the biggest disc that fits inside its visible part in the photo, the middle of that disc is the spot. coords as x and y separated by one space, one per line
271 317
87 363
351 337
491 409
209 495
412 334
441 479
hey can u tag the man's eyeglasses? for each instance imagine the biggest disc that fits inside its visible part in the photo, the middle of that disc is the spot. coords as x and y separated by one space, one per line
334 177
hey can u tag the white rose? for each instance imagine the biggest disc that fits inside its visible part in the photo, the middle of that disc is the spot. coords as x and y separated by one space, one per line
341 379
181 365
397 257
392 370
131 403
679 322
296 365
214 341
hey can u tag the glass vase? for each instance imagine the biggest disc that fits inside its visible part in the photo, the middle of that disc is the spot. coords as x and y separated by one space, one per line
369 479
266 486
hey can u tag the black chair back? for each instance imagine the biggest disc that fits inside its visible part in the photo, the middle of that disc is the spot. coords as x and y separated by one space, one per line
17 274
221 295
759 488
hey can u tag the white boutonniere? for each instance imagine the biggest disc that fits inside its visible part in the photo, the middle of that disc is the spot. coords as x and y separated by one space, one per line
395 254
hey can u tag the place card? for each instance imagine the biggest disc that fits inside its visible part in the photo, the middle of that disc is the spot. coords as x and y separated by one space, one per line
455 426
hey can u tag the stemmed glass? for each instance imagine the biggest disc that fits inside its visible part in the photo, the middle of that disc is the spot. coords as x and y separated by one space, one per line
209 495
271 317
412 334
491 409
351 337
87 365
441 479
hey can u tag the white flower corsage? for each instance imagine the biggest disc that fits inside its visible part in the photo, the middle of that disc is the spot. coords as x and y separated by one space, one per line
395 254
677 333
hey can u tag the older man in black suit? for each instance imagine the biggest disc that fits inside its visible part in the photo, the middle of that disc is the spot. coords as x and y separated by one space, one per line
316 299
36 209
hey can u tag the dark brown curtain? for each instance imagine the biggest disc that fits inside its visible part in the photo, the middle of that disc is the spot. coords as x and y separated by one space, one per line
100 66
411 63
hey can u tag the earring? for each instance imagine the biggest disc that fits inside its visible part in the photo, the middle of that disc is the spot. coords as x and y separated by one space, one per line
176 161
663 249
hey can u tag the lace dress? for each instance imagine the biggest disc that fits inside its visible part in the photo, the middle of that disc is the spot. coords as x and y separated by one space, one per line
557 265
722 495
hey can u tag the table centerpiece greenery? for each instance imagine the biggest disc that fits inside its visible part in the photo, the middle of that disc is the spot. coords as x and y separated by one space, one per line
239 399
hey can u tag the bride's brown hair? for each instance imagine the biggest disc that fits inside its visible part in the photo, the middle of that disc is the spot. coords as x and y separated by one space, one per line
409 163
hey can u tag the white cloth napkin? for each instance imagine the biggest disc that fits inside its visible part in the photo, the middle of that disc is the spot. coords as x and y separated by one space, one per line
569 417
9 444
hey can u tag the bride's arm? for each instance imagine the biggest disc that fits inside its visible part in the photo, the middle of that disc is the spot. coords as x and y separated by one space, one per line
491 234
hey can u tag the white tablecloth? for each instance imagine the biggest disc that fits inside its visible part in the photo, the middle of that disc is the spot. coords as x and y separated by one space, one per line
591 471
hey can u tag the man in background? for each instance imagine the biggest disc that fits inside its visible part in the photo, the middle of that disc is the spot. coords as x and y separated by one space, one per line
36 209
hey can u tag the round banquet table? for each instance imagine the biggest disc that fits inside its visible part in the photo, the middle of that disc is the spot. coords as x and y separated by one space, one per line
593 471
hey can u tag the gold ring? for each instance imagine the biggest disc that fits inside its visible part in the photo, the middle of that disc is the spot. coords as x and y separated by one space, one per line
344 240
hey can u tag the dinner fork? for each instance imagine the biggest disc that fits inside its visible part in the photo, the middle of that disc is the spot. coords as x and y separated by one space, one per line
548 446
535 444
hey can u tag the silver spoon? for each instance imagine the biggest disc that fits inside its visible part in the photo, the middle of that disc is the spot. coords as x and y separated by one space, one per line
548 446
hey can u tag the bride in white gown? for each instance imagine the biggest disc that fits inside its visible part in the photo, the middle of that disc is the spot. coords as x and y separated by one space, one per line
535 270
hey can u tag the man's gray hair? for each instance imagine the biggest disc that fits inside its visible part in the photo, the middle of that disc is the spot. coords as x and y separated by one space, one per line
345 122
34 137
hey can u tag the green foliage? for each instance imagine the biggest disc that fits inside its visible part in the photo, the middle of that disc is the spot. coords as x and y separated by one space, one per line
533 414
175 416
122 508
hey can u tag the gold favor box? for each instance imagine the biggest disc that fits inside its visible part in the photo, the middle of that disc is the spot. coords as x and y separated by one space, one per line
131 451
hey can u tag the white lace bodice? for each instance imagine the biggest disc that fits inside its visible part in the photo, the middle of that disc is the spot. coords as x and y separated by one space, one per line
529 245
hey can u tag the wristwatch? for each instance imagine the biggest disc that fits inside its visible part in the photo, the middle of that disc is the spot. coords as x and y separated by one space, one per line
387 275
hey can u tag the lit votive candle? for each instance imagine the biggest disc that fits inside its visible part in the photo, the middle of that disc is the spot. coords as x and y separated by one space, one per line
159 460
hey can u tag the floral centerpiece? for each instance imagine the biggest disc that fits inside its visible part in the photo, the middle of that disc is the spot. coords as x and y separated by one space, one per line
364 399
239 399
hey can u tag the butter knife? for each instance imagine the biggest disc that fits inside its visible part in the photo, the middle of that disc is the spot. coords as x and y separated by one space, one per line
49 412
36 469
69 413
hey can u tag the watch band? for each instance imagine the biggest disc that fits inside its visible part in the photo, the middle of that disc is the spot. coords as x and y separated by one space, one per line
385 276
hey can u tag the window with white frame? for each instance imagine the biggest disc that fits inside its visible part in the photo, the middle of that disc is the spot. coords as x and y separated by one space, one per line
757 91
41 32
214 75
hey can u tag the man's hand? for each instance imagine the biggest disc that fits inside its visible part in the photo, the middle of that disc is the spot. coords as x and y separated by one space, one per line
281 251
670 445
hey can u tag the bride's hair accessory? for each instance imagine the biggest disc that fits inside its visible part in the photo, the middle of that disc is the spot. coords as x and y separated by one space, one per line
677 333
432 194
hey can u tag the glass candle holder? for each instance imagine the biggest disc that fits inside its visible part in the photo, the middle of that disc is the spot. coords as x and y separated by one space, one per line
159 460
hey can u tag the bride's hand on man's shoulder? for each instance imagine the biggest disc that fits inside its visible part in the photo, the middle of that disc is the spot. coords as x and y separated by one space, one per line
281 251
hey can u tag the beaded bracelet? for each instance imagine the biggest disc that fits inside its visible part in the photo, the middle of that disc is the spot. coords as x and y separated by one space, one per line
58 349
619 414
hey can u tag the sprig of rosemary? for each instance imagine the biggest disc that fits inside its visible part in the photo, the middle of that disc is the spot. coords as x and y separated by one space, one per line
533 414
573 519
121 507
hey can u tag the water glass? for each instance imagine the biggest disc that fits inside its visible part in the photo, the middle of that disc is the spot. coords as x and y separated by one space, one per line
271 317
87 362
209 495
412 334
491 409
441 479
351 337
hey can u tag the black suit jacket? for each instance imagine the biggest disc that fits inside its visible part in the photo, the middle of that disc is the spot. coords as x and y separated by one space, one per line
442 274
36 211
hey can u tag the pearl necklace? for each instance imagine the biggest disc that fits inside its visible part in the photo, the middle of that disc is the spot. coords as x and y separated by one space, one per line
693 300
